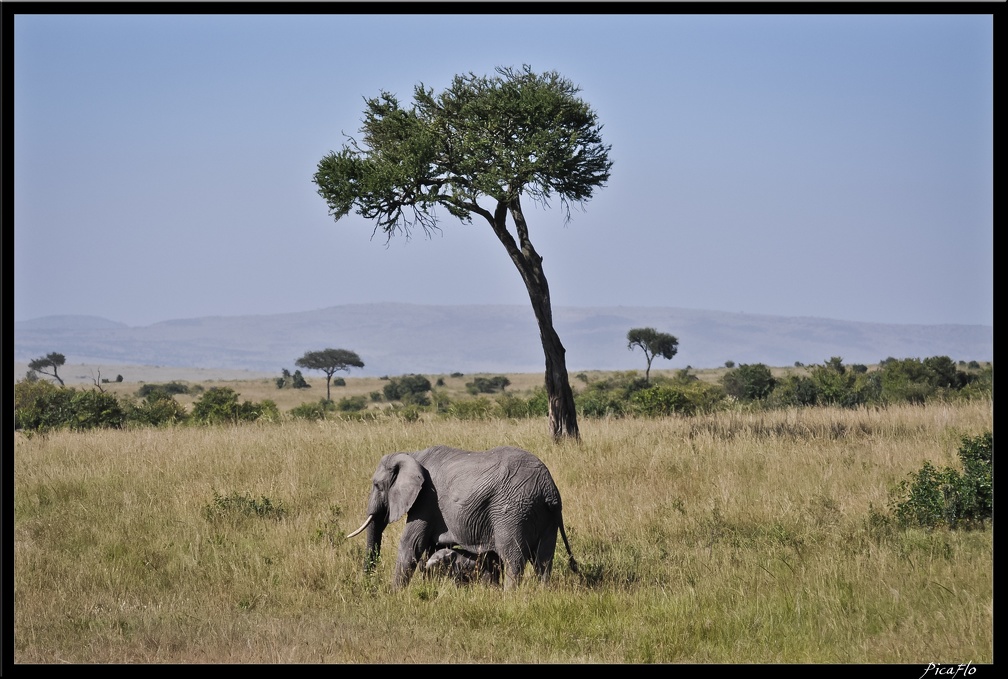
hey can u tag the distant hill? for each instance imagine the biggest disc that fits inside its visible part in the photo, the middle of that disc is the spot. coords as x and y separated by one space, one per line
396 339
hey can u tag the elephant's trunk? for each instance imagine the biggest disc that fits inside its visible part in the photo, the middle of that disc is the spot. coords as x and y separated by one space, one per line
373 540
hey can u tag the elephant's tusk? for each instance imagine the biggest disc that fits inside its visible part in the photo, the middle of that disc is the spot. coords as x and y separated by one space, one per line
364 525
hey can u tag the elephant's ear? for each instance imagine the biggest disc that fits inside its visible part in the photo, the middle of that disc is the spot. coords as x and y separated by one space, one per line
409 479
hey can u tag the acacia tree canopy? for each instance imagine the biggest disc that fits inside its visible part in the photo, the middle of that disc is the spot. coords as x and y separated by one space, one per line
490 139
53 361
653 343
329 361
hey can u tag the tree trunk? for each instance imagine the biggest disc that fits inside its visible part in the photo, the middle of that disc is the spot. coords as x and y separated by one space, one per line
562 413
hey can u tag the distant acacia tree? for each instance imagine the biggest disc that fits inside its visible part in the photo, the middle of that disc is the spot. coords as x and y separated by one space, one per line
329 361
52 360
475 150
653 343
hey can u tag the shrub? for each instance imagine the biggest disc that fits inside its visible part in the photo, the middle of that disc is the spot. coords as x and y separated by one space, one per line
267 411
598 403
538 403
479 408
509 405
932 497
96 410
295 381
487 385
399 387
749 382
220 405
420 400
661 400
792 391
408 413
352 404
41 406
170 389
312 411
158 409
835 385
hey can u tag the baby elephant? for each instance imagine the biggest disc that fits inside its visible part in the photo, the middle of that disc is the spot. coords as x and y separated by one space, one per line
465 567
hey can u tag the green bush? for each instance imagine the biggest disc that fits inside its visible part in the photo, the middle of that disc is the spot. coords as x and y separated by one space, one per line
837 386
220 405
934 497
793 391
407 413
661 400
415 399
599 403
479 408
352 404
267 411
158 409
312 411
96 410
487 385
399 387
538 403
170 389
749 382
40 406
511 406
295 381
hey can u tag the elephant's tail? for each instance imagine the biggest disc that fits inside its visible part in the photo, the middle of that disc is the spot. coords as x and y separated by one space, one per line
571 563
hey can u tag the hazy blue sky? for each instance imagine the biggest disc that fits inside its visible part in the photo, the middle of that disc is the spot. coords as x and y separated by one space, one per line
836 166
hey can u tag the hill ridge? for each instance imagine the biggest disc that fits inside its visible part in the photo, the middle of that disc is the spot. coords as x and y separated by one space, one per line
396 338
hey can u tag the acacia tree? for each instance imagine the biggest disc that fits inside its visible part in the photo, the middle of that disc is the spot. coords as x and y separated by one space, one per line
492 139
51 360
329 361
653 343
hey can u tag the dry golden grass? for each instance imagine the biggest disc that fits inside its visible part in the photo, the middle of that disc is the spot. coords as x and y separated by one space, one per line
751 538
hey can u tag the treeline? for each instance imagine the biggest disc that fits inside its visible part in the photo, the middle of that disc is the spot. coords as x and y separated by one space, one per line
43 406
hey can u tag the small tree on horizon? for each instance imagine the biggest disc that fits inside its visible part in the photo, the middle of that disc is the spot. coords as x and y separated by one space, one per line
329 361
51 360
653 343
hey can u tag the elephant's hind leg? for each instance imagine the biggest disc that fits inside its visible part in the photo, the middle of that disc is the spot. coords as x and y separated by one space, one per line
513 563
542 561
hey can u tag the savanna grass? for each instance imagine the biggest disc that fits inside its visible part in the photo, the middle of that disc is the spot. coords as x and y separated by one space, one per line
728 538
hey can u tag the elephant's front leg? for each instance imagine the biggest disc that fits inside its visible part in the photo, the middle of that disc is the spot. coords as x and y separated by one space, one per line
416 542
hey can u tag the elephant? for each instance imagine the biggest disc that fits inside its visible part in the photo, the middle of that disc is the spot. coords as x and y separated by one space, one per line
463 567
501 500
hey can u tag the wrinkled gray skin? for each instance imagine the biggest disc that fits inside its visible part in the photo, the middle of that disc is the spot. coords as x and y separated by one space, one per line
501 500
464 568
